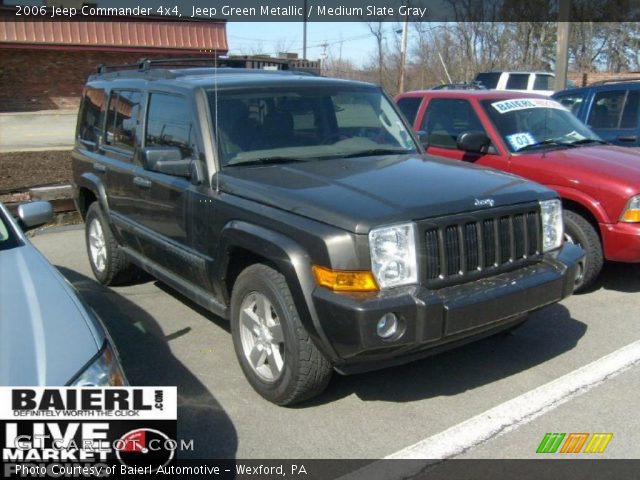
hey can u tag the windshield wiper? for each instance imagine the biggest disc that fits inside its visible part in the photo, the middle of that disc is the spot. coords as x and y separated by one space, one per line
265 161
377 151
549 141
586 141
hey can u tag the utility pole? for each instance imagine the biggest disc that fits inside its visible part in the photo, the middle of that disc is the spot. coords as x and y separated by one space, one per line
562 52
323 58
304 31
403 52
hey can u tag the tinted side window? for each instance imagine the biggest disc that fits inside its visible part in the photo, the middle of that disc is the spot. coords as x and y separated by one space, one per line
609 108
92 115
572 102
122 117
543 82
409 107
488 80
630 112
446 118
169 124
518 81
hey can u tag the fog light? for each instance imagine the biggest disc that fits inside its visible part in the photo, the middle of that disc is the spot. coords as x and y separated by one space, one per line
387 326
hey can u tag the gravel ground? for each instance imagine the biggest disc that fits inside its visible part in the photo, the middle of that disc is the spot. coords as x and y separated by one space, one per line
21 170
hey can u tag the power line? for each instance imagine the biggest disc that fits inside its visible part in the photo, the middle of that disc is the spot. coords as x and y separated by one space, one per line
297 43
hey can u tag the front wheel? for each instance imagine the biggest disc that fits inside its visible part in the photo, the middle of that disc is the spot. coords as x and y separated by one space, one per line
579 231
275 352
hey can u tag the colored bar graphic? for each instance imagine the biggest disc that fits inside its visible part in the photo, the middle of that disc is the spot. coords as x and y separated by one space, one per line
598 442
574 442
550 443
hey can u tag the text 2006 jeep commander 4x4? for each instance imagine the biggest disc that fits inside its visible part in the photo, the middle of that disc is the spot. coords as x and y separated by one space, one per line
301 209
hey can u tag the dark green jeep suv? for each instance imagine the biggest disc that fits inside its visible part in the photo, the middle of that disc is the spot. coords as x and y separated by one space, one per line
303 210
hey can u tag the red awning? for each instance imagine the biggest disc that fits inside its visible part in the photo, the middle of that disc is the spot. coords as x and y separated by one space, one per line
129 35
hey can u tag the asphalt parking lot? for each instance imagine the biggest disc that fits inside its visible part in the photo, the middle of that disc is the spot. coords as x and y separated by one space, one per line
165 339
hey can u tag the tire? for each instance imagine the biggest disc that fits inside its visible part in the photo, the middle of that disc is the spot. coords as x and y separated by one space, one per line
283 365
578 230
108 262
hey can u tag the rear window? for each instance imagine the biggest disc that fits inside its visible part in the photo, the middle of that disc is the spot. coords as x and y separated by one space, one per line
614 109
543 82
92 115
409 107
488 80
122 118
518 81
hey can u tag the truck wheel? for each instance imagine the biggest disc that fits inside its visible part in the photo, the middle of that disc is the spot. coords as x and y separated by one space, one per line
108 262
579 231
275 352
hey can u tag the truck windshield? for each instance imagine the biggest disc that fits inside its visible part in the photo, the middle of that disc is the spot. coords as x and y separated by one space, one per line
537 123
299 124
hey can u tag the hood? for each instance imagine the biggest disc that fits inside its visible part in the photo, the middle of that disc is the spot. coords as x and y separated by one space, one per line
357 194
620 165
46 334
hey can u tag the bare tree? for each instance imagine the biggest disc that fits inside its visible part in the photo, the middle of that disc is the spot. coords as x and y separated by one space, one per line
377 30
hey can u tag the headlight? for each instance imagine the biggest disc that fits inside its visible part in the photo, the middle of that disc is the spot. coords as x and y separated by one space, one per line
103 371
631 213
552 226
393 255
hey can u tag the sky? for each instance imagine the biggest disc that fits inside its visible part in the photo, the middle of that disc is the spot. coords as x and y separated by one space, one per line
351 40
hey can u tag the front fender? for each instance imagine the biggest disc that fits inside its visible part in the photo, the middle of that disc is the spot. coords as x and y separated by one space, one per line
290 258
588 202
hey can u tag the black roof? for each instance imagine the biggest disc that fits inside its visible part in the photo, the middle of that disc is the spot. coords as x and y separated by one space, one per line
205 77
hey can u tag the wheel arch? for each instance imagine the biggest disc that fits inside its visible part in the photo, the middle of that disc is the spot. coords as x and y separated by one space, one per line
584 212
243 244
91 189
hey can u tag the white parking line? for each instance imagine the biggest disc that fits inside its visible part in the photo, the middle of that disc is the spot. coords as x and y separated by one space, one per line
505 417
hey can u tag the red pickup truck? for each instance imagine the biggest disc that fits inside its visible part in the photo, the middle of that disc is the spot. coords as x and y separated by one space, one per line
537 138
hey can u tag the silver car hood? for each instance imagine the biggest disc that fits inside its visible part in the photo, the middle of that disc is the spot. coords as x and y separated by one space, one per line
46 333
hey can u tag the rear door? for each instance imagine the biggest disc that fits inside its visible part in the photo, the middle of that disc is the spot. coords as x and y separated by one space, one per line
119 151
613 115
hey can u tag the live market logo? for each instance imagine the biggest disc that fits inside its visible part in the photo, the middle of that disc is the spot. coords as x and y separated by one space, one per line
92 428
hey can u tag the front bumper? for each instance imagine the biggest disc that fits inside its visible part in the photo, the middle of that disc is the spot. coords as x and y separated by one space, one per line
621 241
438 319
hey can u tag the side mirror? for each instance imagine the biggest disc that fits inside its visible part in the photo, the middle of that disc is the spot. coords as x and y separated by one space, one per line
167 160
476 142
34 214
423 137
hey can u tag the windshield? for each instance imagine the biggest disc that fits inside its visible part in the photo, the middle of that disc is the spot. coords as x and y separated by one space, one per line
298 124
536 123
7 238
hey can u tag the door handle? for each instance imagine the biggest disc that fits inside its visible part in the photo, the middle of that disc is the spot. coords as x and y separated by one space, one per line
630 138
142 182
100 168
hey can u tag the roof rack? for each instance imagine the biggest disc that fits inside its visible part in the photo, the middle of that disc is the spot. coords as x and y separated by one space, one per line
460 86
616 80
145 64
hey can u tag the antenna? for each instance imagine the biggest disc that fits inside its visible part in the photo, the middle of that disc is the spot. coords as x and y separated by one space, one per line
215 121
